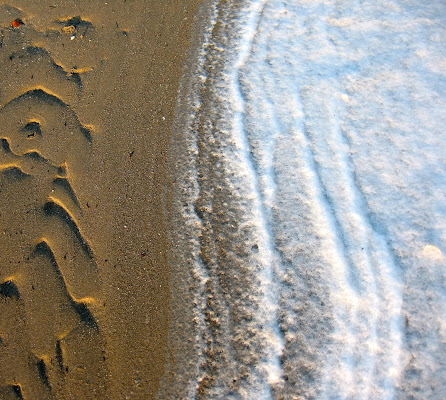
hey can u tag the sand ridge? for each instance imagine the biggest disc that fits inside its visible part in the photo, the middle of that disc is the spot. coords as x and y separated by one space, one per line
87 95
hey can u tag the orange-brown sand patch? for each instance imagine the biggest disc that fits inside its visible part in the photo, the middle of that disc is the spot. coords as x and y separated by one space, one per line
87 97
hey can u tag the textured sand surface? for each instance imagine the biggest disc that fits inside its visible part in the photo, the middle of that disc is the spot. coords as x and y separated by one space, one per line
87 94
291 245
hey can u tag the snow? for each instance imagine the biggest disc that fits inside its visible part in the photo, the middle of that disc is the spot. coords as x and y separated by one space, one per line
310 212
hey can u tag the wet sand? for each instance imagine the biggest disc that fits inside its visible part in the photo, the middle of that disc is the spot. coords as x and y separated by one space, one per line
87 99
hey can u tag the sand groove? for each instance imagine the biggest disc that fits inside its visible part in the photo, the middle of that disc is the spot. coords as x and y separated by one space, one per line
49 287
38 70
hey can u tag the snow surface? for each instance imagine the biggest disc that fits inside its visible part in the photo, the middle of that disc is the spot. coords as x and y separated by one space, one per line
309 206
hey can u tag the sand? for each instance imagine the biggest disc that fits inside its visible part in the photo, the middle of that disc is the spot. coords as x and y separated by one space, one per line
87 99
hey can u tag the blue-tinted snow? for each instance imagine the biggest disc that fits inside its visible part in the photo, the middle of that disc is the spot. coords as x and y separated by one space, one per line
309 213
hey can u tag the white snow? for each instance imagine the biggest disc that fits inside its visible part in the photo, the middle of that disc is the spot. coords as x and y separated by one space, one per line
311 161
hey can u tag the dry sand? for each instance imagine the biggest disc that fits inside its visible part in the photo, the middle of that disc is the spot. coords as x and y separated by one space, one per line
87 97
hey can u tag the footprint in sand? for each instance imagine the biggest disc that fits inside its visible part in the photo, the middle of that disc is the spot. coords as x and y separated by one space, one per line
50 338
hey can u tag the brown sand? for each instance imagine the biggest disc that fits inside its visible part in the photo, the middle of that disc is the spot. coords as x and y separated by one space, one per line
87 96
